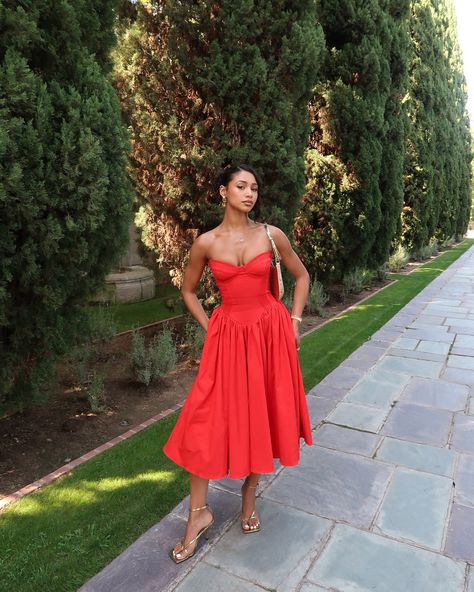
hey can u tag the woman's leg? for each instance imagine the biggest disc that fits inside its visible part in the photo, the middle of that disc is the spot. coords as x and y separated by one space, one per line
248 502
196 520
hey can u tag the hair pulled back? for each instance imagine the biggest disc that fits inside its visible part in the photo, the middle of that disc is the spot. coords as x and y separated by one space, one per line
227 174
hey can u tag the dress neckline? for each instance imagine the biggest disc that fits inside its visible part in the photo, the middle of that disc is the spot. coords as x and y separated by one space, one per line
244 264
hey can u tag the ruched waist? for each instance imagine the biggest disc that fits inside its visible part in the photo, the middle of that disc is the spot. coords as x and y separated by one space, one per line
261 299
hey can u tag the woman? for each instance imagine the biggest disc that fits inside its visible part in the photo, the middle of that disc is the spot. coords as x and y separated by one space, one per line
247 404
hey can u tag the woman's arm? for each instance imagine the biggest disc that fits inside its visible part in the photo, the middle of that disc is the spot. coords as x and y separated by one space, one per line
294 265
192 275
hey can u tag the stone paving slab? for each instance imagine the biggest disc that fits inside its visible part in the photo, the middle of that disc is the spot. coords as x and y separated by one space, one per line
333 485
452 321
357 416
327 392
355 560
429 335
464 480
411 367
267 558
416 354
462 351
342 378
318 408
464 341
458 375
425 425
465 362
378 389
463 434
211 579
415 508
405 343
429 459
460 540
433 347
470 587
309 587
435 393
346 439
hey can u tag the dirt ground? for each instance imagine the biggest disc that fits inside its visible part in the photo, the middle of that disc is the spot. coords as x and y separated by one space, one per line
39 440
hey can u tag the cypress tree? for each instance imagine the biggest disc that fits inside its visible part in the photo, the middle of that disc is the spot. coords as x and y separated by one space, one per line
455 206
64 196
437 175
420 210
394 43
206 83
341 212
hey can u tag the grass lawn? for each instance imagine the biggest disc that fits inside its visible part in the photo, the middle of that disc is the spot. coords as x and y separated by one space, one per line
57 538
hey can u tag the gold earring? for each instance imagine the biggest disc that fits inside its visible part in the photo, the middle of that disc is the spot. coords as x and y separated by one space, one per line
224 201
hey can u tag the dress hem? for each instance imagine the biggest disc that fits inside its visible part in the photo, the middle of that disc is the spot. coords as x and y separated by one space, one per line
216 477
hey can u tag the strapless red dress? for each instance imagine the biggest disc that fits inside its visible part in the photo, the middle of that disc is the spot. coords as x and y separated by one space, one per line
247 405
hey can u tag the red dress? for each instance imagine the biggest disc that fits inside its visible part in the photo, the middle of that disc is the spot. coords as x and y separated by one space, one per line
247 404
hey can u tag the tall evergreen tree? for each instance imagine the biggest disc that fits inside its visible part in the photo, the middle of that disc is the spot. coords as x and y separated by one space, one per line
64 195
394 43
458 166
437 168
210 82
341 212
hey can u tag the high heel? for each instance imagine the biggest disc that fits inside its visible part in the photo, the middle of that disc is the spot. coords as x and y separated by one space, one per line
176 556
246 521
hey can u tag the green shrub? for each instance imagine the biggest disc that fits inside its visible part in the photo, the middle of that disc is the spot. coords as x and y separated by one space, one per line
194 337
426 251
95 393
368 276
66 200
149 364
102 325
398 259
317 298
140 363
163 353
98 327
353 281
381 273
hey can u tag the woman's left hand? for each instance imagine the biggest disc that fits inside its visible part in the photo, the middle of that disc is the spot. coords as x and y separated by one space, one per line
296 331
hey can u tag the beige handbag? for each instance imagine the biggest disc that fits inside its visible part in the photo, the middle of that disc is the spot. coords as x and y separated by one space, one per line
276 280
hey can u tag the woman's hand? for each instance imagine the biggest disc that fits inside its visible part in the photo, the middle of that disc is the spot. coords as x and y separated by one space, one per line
296 331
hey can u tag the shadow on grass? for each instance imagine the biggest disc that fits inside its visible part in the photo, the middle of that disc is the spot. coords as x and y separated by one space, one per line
59 537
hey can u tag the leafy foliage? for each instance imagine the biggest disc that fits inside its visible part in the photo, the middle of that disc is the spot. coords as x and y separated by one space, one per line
350 209
65 199
207 83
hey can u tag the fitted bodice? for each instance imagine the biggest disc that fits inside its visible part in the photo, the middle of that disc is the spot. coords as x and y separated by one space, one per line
244 289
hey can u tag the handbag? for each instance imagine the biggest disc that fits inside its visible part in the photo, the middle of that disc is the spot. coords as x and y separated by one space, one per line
276 279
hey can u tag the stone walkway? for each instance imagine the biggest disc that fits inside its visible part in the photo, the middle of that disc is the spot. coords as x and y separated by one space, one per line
384 500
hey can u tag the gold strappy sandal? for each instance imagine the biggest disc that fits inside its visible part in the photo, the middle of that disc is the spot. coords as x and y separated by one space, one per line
177 556
246 521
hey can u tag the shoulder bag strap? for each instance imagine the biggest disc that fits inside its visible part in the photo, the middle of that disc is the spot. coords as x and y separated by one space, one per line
276 253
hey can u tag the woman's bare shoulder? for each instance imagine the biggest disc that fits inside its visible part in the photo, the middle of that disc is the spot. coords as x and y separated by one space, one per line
203 243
